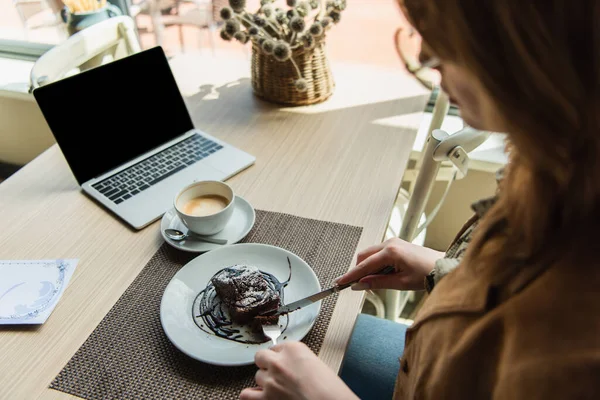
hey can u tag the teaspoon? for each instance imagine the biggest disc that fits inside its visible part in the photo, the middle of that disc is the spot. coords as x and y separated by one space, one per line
177 235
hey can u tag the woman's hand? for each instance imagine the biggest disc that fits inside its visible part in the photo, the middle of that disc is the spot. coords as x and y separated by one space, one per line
411 262
292 371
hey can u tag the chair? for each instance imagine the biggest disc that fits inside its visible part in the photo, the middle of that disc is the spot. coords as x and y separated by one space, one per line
36 14
98 44
201 14
24 133
196 13
443 157
155 9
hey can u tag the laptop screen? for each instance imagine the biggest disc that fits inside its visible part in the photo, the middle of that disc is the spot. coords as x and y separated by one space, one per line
106 116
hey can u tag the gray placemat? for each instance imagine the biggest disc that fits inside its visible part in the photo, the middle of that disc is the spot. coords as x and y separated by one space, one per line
128 355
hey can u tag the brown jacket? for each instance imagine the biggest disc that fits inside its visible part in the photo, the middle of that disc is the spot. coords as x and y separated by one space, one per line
535 335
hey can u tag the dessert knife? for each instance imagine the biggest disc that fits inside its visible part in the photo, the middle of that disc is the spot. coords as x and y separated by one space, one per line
296 305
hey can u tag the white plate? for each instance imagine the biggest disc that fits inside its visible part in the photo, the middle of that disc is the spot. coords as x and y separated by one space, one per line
242 220
176 314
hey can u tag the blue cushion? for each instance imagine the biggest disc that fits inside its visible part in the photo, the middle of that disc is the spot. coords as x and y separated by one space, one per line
371 363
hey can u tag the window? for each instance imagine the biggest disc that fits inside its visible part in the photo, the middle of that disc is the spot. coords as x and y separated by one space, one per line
36 21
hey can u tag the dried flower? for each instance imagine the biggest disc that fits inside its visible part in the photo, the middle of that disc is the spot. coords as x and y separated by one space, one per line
226 13
278 31
232 26
303 8
301 85
308 41
268 46
297 24
335 16
338 5
224 35
316 29
281 17
282 51
241 37
260 21
326 22
237 5
268 11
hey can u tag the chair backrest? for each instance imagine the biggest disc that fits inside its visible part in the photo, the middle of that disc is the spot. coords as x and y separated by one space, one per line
27 8
55 5
24 133
102 42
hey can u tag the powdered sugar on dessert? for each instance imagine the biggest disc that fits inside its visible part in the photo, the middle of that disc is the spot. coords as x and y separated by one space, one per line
245 291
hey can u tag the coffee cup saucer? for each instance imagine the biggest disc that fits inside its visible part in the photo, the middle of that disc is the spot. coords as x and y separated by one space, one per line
238 226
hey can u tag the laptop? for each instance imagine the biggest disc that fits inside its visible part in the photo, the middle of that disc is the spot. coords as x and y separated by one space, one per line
128 137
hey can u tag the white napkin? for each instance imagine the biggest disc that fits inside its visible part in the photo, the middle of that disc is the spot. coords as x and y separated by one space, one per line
30 289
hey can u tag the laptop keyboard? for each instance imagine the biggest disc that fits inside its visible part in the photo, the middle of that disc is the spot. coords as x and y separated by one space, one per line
152 170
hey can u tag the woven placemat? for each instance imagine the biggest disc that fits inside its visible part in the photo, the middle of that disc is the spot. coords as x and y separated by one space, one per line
128 355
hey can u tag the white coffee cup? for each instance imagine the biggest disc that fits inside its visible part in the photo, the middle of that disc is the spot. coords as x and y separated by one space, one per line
199 217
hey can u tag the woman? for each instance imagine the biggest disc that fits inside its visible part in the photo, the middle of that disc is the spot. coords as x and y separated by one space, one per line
519 318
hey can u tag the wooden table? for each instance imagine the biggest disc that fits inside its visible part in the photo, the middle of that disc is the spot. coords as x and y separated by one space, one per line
335 161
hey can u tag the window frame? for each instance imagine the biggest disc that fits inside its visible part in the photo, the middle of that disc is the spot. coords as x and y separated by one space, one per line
23 50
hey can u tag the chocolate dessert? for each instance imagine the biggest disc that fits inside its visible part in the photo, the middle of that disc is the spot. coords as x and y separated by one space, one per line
231 303
245 292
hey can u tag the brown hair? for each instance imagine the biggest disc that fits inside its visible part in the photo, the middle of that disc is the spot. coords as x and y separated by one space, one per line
539 60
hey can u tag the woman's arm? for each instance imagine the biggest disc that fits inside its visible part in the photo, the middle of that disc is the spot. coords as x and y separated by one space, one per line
411 262
291 371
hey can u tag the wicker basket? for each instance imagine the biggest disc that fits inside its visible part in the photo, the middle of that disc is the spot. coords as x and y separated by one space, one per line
274 80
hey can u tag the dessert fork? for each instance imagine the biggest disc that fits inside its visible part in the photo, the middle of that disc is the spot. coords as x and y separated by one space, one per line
272 331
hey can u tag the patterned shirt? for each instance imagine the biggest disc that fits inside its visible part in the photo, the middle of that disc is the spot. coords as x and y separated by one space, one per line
457 249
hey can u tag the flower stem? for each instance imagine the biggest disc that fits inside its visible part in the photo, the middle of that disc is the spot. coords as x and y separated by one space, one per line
296 66
277 32
321 10
243 18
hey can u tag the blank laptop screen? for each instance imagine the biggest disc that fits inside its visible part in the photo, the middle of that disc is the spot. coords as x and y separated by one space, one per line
104 117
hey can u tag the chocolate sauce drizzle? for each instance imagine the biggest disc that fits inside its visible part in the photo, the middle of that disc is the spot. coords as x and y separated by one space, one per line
212 316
